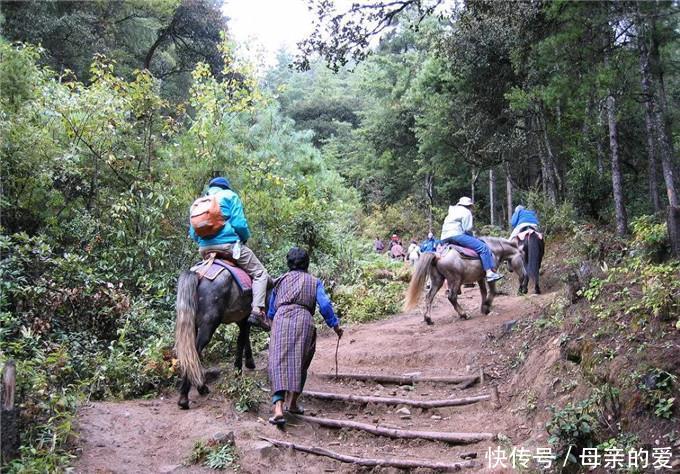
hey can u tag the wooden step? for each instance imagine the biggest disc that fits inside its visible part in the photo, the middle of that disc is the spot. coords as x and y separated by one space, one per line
370 462
448 402
443 436
404 379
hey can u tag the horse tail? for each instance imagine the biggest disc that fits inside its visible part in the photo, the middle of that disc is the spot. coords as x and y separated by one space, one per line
534 257
185 328
425 264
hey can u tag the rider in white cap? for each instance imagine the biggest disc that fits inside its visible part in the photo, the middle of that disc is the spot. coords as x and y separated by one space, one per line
457 229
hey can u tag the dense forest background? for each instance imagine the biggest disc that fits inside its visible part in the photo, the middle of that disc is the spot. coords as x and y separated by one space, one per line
114 115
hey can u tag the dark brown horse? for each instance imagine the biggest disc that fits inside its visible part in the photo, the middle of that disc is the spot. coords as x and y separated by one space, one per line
533 248
457 271
201 307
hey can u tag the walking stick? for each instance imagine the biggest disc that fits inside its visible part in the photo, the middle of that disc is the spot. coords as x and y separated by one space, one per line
337 346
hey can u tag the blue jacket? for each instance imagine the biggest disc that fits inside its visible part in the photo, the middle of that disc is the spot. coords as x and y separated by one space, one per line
429 245
523 216
235 226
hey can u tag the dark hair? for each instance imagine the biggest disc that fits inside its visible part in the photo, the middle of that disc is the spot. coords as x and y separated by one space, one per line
298 259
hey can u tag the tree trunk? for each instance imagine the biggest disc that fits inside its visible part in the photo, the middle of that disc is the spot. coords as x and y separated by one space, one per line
666 152
648 97
547 175
473 183
429 192
673 226
404 379
492 201
599 146
617 180
508 191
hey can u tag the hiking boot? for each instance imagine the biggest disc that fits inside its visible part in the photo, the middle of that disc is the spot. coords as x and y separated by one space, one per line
259 320
493 276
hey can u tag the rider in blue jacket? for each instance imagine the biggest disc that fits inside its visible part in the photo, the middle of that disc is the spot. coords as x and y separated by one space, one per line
231 239
522 219
429 244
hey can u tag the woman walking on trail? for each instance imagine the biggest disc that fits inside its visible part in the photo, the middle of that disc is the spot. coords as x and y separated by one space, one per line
293 335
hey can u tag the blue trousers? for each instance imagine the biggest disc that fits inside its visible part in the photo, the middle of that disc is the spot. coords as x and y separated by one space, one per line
477 245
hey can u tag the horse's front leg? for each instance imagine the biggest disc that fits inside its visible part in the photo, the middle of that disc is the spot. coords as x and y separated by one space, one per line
486 305
492 293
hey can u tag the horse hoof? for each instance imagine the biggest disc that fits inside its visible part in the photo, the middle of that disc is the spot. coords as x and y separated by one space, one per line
183 404
250 364
204 390
464 316
485 310
537 291
429 322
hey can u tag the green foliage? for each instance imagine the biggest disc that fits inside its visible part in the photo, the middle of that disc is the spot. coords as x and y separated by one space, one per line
243 390
657 388
554 219
650 236
97 180
375 293
574 425
214 455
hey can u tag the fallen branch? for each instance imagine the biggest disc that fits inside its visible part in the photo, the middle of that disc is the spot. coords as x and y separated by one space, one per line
454 438
450 402
398 463
403 379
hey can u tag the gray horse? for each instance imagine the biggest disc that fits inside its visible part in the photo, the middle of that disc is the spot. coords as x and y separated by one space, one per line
201 307
458 271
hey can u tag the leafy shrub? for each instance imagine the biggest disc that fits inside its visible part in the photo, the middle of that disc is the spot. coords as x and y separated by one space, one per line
574 425
213 455
651 237
657 388
242 389
554 219
376 293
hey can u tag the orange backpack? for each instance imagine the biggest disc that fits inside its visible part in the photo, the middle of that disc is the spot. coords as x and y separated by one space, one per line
206 216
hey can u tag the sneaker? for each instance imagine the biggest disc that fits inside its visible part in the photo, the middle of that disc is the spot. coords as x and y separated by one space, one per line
493 276
259 320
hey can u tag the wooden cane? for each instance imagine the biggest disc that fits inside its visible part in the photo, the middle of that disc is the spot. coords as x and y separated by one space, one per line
337 346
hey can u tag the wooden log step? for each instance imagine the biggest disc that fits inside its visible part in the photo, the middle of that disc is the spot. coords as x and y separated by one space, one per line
449 402
446 437
404 379
372 462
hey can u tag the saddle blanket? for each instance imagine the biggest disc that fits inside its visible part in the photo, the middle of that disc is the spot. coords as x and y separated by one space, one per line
463 251
525 233
244 282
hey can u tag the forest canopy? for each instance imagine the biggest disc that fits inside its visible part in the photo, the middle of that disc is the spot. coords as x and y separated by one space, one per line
114 115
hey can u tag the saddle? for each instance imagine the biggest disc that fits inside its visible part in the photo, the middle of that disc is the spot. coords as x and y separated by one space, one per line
213 266
526 232
464 252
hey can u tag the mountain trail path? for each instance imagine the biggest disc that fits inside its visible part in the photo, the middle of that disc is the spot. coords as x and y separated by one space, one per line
155 436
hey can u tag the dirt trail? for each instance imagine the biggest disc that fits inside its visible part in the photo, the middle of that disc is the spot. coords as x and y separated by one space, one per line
155 436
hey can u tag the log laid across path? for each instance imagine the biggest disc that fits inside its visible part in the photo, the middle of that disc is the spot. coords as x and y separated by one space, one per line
447 437
450 402
403 379
399 463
